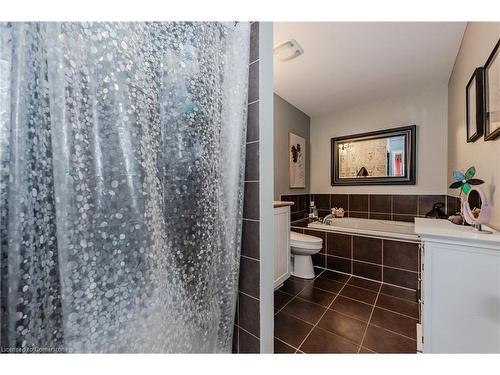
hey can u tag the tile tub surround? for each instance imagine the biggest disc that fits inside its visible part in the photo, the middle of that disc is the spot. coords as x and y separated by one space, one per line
453 204
390 261
300 208
336 313
400 207
246 333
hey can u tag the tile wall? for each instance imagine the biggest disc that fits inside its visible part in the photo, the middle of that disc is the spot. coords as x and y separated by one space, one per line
400 207
300 208
389 261
246 337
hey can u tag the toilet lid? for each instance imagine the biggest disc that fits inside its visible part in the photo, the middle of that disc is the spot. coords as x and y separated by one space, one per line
296 239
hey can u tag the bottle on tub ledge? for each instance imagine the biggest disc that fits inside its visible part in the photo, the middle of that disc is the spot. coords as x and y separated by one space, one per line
313 212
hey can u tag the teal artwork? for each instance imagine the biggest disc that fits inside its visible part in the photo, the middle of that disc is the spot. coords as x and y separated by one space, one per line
464 181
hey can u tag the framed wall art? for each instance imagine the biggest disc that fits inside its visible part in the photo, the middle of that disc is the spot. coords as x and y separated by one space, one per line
475 105
296 161
492 95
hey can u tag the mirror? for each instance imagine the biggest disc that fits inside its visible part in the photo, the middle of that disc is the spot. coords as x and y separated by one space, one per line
475 209
475 202
381 157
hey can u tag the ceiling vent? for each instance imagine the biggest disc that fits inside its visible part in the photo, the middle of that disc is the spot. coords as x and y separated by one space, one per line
288 50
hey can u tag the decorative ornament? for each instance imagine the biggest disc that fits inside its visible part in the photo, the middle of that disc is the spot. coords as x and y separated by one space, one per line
464 181
338 212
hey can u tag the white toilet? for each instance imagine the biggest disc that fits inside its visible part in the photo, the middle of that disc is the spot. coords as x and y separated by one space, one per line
302 247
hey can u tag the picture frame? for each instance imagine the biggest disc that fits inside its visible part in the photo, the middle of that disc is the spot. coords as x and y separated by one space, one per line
492 95
475 105
296 161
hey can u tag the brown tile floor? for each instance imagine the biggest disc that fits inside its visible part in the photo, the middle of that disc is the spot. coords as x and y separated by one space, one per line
337 313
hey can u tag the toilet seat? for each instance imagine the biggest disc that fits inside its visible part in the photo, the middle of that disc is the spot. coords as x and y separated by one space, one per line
305 241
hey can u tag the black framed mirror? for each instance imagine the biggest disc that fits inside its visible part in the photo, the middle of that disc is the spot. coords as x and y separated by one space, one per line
384 157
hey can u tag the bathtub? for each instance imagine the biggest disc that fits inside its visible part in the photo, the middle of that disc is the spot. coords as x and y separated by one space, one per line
370 227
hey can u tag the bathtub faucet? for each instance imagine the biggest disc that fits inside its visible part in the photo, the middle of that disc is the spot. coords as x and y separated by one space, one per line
328 219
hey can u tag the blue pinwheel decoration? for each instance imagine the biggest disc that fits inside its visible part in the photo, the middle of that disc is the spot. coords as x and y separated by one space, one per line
464 181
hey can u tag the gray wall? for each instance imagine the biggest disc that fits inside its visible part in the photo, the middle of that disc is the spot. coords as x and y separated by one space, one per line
287 119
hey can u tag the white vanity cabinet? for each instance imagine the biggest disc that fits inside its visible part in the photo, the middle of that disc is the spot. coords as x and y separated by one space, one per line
460 288
281 242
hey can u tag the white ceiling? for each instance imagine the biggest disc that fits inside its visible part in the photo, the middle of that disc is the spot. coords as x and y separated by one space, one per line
346 63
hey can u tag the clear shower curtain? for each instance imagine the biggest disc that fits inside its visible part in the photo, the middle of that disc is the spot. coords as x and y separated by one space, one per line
121 185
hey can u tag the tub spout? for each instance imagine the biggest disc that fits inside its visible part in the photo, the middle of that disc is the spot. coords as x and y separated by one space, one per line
327 219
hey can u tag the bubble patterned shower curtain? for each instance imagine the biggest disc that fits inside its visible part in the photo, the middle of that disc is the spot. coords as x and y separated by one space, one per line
121 185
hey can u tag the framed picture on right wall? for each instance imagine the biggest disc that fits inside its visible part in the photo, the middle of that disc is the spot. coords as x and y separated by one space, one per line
475 105
492 94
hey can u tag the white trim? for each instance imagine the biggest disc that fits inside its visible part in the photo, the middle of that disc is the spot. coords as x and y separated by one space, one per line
266 187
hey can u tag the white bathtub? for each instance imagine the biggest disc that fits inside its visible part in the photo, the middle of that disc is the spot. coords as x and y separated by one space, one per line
370 227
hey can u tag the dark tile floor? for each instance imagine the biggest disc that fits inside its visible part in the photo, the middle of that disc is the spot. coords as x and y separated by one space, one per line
337 313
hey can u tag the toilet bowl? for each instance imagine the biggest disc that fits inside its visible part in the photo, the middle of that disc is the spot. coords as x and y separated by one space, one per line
302 247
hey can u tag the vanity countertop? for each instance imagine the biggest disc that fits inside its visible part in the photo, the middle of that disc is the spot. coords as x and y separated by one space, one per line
439 228
282 203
